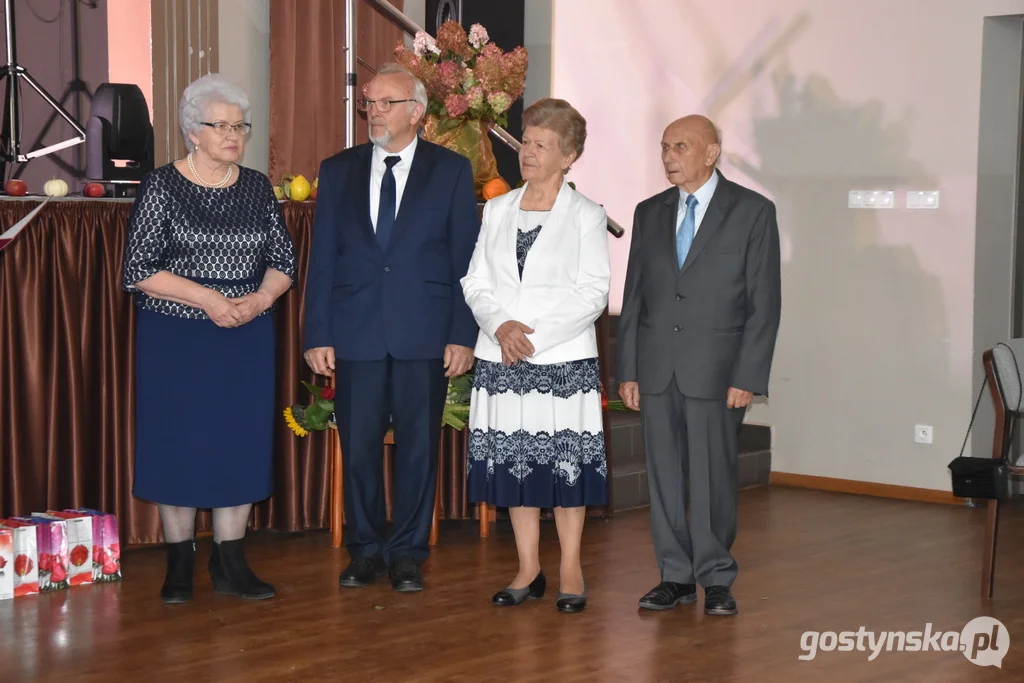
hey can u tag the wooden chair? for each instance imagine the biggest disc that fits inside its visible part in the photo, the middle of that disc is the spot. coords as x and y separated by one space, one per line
1003 372
338 492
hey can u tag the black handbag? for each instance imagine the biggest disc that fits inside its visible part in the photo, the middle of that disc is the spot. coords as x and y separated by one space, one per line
985 478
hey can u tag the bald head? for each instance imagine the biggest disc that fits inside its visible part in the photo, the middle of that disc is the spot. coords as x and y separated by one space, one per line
700 126
690 148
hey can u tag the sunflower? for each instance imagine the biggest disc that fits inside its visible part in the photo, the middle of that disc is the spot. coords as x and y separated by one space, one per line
293 424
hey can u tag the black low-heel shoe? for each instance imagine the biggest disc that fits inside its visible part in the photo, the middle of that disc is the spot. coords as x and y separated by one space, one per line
567 602
510 597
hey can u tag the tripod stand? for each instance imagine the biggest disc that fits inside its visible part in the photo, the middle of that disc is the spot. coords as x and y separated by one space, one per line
12 73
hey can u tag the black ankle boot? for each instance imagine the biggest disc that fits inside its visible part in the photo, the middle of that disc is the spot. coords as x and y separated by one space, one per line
231 574
177 586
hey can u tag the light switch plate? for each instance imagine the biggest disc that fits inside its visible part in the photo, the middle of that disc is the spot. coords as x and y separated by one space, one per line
918 199
872 199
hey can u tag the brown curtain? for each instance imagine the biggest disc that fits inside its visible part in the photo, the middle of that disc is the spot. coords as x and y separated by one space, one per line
307 79
67 377
66 388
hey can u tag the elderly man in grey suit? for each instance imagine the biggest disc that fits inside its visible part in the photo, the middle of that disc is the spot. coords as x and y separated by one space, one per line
700 315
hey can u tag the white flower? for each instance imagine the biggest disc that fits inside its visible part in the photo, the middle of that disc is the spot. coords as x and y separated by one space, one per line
478 36
424 43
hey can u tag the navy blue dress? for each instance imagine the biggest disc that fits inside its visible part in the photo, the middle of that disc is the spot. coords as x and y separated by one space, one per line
204 395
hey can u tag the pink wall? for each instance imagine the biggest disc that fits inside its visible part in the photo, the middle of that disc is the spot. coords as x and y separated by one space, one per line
815 98
129 50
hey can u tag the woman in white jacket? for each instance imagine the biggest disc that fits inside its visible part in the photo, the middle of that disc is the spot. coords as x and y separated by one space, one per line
537 283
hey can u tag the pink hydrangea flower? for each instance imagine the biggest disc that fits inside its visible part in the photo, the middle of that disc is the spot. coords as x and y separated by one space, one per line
478 36
456 105
424 43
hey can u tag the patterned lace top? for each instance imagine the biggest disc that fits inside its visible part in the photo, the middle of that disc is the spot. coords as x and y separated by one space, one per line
527 236
222 238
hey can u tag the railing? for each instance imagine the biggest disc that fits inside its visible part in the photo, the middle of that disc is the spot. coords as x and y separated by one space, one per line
410 27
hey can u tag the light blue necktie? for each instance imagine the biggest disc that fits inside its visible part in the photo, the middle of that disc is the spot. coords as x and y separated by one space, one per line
684 235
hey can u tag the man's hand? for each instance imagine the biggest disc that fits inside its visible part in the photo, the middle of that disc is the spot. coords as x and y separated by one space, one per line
630 393
320 360
514 344
738 398
457 360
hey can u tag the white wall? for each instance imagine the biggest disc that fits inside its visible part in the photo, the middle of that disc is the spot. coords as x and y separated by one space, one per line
244 37
816 97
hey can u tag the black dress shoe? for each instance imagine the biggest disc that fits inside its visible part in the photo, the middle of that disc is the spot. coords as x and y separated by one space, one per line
405 575
513 596
177 586
718 601
667 595
361 572
569 602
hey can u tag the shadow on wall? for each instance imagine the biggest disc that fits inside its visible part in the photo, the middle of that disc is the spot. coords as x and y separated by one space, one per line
862 353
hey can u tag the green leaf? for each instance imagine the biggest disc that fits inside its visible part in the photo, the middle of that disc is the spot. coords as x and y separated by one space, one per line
313 389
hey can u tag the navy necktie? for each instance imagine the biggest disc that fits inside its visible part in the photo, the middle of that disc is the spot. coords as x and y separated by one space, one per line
684 236
388 202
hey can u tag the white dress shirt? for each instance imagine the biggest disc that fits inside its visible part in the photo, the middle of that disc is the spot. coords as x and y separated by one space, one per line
703 195
401 171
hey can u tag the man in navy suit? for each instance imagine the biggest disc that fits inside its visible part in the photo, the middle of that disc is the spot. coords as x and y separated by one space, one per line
395 227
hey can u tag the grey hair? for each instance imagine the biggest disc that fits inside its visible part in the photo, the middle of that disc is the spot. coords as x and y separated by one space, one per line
419 91
200 94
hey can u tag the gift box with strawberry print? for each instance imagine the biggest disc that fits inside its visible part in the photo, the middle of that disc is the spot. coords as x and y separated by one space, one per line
52 542
80 547
26 557
106 545
6 563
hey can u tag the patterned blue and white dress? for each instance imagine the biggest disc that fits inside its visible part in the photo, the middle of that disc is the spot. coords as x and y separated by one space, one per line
536 431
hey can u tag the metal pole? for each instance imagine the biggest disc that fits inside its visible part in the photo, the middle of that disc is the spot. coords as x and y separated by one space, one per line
350 73
396 15
12 122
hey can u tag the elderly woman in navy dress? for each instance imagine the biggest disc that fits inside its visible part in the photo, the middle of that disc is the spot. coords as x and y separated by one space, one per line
537 283
207 256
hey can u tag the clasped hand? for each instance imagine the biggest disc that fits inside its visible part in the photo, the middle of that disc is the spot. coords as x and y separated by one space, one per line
514 344
225 312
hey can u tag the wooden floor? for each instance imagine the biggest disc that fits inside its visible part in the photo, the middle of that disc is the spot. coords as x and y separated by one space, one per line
808 561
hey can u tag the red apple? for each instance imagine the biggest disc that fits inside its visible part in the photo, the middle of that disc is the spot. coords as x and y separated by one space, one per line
16 188
94 190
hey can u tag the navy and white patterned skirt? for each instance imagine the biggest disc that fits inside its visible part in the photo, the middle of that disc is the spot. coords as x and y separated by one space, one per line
537 436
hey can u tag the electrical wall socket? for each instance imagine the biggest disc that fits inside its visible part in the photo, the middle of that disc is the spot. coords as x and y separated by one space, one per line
922 200
871 199
923 433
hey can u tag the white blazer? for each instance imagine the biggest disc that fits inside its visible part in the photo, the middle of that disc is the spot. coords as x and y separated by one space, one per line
564 288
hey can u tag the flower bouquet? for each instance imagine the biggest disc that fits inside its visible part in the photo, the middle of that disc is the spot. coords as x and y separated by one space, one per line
319 415
471 85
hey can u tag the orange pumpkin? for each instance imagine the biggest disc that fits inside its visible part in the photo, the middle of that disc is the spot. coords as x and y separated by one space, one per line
494 188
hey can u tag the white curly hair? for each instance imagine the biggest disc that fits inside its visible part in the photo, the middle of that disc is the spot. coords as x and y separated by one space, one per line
202 92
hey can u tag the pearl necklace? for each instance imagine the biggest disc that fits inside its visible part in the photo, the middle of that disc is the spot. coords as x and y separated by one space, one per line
202 182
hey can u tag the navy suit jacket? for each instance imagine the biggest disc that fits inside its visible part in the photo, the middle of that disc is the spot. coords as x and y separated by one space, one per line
404 300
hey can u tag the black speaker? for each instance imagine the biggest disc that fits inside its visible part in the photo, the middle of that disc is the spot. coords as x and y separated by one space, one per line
505 23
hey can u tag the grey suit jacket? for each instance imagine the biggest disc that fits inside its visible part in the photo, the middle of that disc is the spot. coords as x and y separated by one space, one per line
712 323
